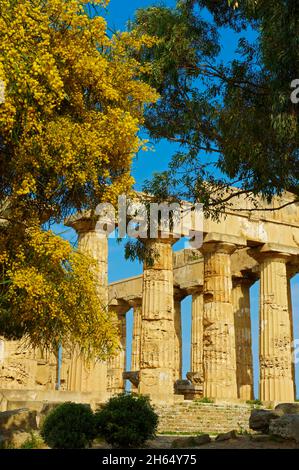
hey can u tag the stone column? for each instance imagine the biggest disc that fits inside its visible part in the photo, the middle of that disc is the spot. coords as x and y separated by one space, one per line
91 376
157 331
290 274
177 338
219 353
196 375
135 357
244 361
276 370
116 364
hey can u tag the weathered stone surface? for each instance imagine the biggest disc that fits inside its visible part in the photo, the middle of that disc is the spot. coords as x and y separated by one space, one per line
197 338
18 420
116 364
22 367
136 342
157 332
192 441
16 440
276 369
89 376
219 349
16 426
287 409
286 426
260 437
241 304
227 436
177 370
196 417
260 420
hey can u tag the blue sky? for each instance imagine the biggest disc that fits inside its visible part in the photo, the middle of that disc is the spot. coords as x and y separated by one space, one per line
118 13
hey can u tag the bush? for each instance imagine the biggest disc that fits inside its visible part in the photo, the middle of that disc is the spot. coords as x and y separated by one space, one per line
34 442
69 426
126 420
204 400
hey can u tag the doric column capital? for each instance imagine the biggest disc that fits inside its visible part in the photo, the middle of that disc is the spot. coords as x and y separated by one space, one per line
82 221
218 247
166 239
273 251
160 254
88 221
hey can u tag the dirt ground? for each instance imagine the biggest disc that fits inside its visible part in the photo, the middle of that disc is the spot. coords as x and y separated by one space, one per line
242 442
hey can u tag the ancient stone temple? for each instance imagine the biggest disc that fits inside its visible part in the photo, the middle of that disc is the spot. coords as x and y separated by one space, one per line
249 243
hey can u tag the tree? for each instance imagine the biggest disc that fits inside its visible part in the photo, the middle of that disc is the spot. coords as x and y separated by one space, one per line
69 126
234 123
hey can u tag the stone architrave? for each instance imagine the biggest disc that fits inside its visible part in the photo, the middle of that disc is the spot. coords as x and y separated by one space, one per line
219 350
244 361
157 331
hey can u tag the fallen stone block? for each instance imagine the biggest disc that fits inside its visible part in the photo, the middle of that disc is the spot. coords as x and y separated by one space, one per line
260 420
192 441
286 426
287 409
226 436
18 420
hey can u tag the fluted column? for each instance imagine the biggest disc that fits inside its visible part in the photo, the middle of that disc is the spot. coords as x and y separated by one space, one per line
157 331
290 274
91 376
197 338
135 358
219 354
116 364
241 304
276 370
177 372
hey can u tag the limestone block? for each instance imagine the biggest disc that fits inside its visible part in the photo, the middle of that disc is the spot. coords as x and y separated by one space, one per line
226 436
286 426
18 420
192 441
287 409
260 420
15 440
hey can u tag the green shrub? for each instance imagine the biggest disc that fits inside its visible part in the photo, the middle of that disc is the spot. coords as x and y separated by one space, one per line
34 442
126 420
204 400
69 426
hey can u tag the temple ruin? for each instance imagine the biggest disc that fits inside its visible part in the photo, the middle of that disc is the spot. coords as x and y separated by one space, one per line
248 243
